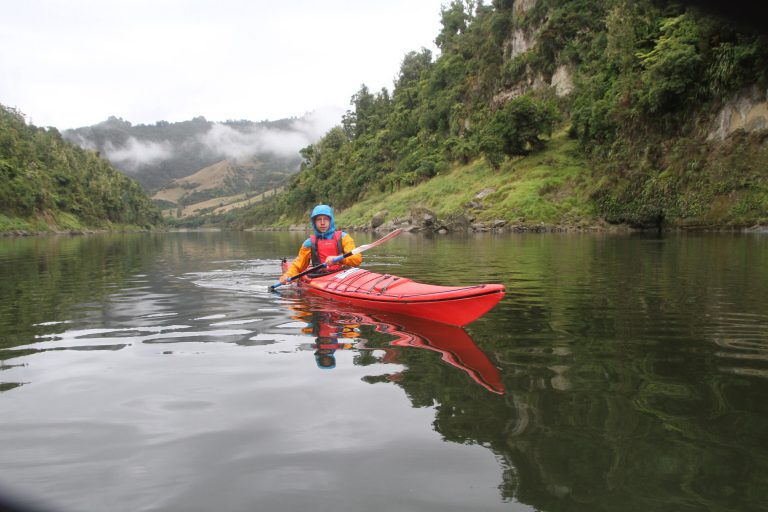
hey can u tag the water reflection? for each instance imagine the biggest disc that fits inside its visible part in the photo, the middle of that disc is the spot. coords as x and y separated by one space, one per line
337 327
619 373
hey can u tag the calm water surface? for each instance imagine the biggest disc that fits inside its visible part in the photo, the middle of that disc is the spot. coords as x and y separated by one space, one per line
156 373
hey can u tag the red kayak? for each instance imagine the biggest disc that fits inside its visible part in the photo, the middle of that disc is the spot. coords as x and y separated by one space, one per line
454 305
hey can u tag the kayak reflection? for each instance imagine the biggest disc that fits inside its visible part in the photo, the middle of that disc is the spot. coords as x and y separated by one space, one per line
340 329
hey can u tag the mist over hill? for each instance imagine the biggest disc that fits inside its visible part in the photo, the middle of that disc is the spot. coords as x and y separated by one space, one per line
157 154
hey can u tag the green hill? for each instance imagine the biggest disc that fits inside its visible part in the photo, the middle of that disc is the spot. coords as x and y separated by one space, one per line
157 154
48 184
198 170
659 114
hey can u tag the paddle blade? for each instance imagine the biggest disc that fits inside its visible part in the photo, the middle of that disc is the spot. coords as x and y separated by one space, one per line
388 236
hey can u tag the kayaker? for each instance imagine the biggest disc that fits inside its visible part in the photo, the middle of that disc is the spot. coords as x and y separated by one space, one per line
323 246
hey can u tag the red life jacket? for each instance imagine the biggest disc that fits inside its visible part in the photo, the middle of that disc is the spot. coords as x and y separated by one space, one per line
324 247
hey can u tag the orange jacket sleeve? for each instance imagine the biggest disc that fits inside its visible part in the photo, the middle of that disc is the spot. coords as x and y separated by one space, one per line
300 263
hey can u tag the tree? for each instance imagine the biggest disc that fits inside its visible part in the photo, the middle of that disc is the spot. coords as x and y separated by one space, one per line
454 19
413 67
369 113
515 129
673 69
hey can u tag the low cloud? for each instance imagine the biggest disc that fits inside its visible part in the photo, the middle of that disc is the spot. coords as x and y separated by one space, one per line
81 141
228 142
137 153
220 140
315 124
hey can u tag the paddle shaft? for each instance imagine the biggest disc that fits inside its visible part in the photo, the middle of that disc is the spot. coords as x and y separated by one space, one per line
337 259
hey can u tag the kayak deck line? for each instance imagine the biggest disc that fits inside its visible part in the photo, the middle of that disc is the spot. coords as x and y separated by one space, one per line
400 298
350 286
408 299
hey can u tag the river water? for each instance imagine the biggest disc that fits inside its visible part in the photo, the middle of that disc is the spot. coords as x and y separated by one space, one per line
154 372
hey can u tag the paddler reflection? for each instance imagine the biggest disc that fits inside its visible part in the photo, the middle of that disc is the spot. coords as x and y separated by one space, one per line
334 330
330 336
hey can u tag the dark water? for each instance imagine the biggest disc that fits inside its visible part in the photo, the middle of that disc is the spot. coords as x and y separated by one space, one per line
154 372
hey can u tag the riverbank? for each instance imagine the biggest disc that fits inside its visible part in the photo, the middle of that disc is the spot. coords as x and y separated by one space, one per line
60 224
598 227
560 189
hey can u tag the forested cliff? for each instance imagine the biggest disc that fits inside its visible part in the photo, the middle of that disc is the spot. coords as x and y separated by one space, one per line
49 184
645 113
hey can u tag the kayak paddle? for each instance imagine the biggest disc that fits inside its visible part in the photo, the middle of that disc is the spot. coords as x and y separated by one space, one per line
356 250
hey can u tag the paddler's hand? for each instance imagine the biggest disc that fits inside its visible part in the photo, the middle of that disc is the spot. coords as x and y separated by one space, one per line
284 279
329 260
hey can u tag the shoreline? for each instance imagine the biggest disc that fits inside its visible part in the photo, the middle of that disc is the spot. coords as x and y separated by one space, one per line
17 233
541 228
599 227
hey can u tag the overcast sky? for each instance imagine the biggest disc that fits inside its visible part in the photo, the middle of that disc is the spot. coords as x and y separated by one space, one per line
72 63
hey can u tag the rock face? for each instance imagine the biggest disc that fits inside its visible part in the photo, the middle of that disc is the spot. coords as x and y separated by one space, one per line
520 42
423 217
562 81
378 219
456 223
747 110
484 193
523 6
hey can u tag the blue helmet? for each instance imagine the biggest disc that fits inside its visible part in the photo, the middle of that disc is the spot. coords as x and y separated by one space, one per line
325 359
323 209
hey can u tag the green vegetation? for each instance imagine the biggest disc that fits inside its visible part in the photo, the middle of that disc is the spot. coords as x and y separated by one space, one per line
47 183
644 81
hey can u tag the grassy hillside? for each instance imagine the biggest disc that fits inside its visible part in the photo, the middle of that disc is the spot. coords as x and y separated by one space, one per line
551 188
225 185
48 184
200 212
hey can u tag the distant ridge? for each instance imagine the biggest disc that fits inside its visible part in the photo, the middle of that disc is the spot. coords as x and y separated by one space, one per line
198 166
157 154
